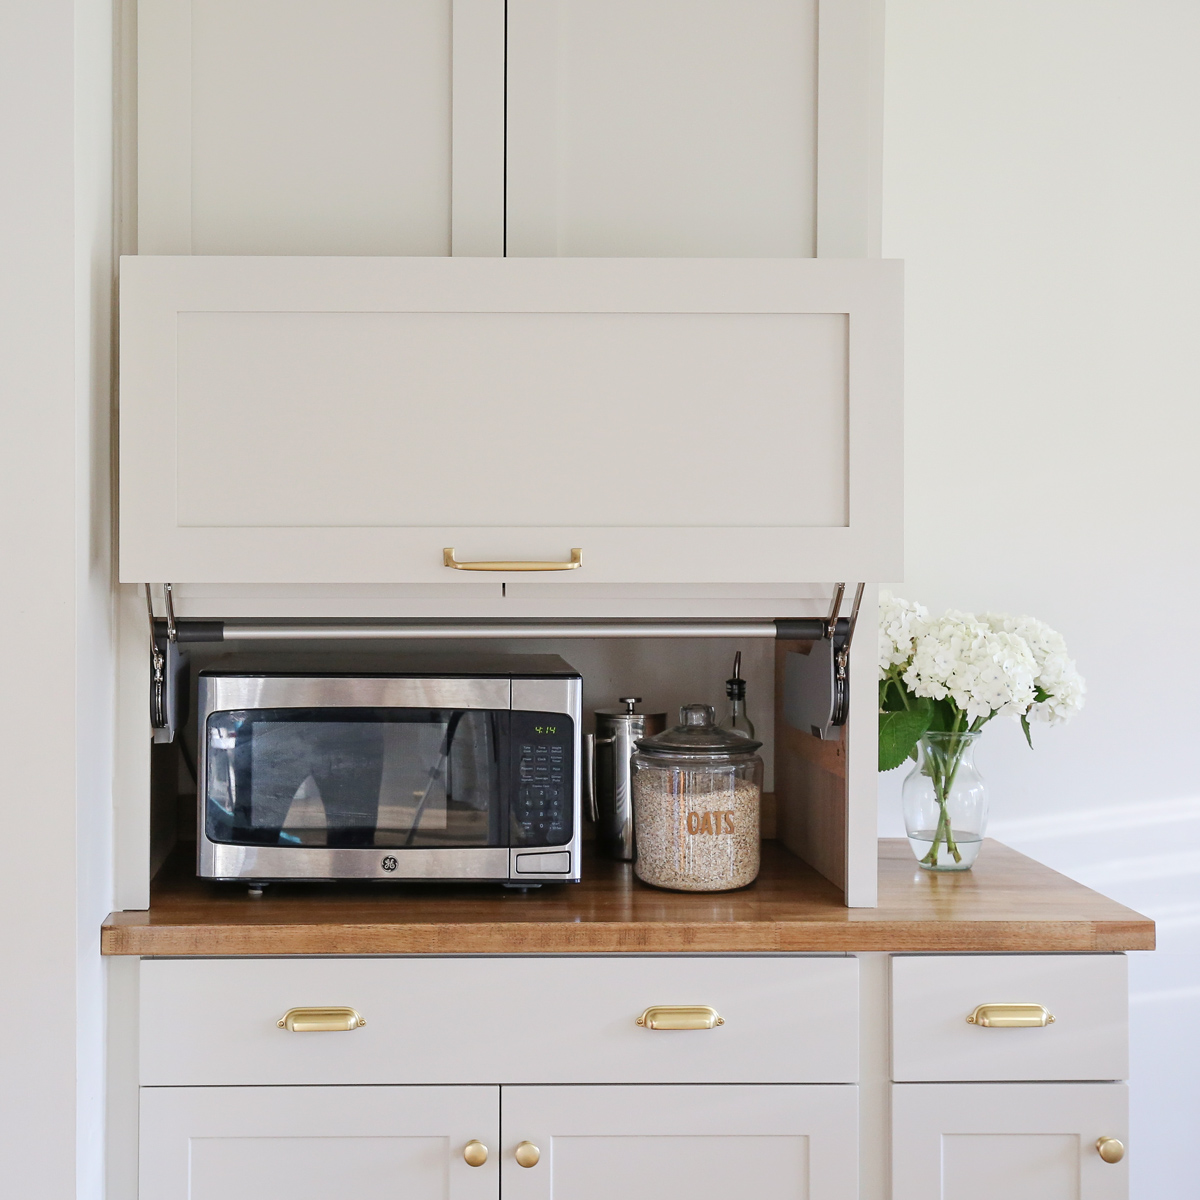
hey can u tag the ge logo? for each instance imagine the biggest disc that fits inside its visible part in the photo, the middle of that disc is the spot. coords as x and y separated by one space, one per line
389 863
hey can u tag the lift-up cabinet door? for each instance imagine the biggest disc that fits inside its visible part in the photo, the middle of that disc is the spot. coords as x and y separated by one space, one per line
312 420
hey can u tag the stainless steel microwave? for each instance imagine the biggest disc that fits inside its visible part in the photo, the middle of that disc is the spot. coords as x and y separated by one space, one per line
468 772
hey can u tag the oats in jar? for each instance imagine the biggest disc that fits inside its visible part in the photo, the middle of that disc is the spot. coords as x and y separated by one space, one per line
696 796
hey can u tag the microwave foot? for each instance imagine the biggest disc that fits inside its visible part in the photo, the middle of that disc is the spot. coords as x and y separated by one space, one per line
255 890
522 887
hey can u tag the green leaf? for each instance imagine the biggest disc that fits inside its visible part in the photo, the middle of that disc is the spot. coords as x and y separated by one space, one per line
899 733
892 694
941 713
1025 726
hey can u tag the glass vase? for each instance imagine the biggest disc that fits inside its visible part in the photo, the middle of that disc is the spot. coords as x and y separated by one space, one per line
945 802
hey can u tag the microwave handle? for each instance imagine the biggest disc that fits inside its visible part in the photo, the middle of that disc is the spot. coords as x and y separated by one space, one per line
589 774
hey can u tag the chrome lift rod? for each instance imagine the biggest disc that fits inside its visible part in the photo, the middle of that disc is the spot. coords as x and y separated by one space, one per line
514 629
199 630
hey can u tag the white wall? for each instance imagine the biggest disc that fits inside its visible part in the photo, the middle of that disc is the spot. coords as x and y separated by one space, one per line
55 652
1042 180
94 668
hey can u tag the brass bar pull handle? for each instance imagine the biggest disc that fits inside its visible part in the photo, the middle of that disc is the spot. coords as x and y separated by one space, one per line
680 1016
449 560
1011 1016
320 1020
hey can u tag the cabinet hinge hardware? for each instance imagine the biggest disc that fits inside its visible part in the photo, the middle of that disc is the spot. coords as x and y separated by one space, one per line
157 665
816 685
167 670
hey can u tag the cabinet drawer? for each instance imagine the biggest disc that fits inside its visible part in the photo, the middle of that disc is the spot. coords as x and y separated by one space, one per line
932 997
499 1020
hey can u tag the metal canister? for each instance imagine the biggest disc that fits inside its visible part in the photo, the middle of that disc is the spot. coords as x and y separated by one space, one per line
606 772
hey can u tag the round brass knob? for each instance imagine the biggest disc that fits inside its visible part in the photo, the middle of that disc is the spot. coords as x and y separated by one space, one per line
475 1154
527 1155
1110 1149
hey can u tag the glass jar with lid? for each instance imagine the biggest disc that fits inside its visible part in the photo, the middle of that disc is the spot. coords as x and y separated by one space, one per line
696 795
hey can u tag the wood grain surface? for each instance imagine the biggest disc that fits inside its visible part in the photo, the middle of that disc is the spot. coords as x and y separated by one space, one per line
1006 903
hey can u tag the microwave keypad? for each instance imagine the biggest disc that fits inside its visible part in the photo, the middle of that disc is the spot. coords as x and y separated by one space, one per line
542 808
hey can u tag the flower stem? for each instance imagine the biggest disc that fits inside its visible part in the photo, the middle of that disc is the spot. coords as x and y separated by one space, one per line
942 774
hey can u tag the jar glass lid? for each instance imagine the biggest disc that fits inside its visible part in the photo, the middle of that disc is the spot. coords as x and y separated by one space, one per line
697 733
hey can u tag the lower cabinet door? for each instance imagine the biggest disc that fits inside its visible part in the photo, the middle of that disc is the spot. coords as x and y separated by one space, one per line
317 1143
1004 1141
702 1142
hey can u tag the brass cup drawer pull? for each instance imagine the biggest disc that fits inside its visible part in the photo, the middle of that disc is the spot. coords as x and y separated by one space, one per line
320 1020
680 1016
1011 1016
1111 1149
475 1153
449 560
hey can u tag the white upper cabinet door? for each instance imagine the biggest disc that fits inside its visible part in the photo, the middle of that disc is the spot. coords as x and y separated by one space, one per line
698 1142
1008 1141
692 127
369 1143
326 420
320 126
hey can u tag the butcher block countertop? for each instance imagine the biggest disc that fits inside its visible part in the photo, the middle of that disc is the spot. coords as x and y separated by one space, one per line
1006 903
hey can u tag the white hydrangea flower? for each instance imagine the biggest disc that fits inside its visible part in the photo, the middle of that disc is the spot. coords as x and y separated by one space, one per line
1056 671
899 623
984 671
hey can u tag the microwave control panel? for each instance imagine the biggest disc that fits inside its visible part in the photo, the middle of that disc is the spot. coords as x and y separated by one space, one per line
543 778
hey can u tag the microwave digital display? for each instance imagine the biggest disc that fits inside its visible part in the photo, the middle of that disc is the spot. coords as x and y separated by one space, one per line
542 778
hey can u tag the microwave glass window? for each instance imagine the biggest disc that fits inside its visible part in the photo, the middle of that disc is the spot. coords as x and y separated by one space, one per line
389 777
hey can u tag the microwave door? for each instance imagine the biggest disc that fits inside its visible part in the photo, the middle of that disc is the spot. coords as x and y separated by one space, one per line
438 772
395 778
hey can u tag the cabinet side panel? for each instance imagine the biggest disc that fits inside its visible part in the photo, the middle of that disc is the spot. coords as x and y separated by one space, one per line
848 122
810 786
862 759
164 126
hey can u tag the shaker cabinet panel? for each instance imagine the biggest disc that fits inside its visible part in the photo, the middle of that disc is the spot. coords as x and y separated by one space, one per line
662 127
371 1143
289 420
320 126
998 1141
705 1143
